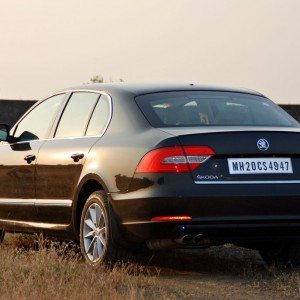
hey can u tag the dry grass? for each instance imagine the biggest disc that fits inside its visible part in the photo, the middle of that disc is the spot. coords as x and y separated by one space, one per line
56 271
39 269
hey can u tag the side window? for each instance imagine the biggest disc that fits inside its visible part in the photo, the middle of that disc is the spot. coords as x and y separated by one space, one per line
76 115
99 118
36 124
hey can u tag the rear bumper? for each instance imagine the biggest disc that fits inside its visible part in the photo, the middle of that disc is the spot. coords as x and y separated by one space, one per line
228 211
217 232
221 219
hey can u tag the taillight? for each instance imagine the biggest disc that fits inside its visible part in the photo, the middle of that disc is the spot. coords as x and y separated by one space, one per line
177 159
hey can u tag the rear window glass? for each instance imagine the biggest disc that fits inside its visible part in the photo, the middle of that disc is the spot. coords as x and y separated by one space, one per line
100 117
205 108
76 115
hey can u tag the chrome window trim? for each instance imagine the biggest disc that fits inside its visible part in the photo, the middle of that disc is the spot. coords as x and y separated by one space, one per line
14 128
87 91
250 182
73 137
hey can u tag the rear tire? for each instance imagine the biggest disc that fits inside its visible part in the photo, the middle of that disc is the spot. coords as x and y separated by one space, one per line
281 254
100 239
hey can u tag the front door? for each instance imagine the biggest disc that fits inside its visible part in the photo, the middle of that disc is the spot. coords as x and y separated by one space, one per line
18 161
17 190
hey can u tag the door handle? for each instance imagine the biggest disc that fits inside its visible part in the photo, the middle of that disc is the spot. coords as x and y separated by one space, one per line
29 158
77 156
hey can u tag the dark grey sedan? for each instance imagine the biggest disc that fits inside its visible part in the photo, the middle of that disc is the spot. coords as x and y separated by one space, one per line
120 167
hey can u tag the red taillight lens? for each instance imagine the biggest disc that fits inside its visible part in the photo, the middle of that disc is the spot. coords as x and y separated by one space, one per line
197 155
175 159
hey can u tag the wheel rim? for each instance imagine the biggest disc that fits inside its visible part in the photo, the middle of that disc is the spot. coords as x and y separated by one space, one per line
94 232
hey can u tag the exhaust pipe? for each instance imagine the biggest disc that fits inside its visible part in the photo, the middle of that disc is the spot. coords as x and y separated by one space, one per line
185 239
198 238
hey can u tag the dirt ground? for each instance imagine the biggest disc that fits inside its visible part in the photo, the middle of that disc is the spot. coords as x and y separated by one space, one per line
226 272
57 271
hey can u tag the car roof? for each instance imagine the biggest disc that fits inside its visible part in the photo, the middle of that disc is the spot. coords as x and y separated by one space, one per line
140 89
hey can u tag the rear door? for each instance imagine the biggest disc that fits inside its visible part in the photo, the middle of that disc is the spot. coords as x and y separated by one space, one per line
61 158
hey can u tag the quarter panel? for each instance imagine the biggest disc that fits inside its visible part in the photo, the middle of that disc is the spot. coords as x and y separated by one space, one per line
128 138
114 157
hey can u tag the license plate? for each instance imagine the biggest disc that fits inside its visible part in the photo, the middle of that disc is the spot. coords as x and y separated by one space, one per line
260 165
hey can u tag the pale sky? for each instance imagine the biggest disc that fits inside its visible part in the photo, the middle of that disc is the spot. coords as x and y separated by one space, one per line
47 45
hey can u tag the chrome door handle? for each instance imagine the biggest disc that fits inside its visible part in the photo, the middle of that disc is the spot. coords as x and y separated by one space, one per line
29 158
77 156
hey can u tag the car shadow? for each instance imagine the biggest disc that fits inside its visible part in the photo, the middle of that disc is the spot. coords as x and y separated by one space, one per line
226 259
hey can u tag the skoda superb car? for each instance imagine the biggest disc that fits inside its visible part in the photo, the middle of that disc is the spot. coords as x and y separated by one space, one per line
120 166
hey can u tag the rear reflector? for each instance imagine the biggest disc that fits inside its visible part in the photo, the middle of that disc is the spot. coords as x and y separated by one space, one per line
175 159
171 218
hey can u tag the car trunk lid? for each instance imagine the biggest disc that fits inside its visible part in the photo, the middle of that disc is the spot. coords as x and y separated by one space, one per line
244 155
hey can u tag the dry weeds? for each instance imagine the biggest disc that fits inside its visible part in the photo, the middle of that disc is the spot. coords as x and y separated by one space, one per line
41 269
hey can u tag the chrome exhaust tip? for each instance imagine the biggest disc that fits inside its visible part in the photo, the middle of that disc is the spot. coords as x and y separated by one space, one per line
185 239
198 238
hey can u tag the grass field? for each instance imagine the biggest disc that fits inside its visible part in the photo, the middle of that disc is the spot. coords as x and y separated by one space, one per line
31 267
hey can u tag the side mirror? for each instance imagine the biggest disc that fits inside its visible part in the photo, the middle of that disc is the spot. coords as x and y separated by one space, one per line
4 132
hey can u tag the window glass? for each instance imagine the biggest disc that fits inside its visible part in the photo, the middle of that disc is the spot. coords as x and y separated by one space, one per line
36 124
205 108
3 134
100 117
76 115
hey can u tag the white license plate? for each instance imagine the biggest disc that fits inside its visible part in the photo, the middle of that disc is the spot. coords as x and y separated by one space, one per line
260 165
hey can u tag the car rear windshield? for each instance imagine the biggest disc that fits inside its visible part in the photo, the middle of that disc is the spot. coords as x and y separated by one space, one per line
207 108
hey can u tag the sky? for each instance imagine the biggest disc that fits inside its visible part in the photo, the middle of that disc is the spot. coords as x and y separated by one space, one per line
49 45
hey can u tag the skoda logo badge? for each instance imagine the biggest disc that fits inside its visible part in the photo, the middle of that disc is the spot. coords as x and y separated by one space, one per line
263 144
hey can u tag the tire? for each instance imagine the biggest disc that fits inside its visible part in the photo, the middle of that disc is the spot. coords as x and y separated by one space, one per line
281 254
100 239
2 234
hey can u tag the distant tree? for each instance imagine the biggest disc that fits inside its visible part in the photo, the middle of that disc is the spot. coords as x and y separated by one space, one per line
100 79
97 79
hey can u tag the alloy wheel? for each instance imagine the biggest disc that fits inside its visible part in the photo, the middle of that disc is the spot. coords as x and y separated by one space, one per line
94 232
